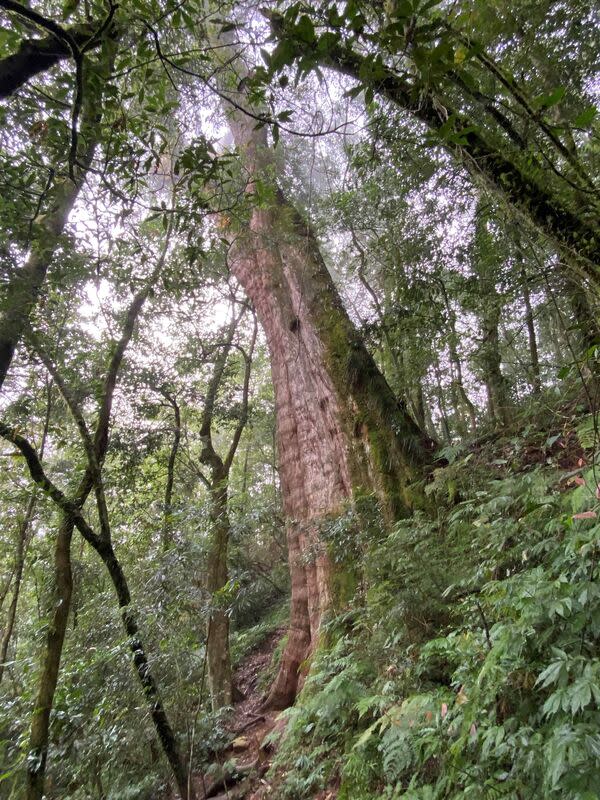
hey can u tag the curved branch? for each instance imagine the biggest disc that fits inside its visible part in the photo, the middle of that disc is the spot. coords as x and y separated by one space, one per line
43 22
39 476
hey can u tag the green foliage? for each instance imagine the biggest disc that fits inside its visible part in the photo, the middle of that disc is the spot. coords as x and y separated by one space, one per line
462 657
245 640
469 668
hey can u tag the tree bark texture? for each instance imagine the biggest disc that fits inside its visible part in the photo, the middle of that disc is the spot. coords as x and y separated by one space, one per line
339 426
217 640
26 282
22 537
38 741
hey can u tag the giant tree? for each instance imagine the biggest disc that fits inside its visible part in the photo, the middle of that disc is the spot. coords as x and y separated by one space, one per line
339 426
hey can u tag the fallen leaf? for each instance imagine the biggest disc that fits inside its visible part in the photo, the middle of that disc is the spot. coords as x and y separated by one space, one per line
240 743
585 515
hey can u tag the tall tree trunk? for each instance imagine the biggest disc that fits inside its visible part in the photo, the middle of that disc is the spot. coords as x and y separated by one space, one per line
38 740
22 536
167 527
495 381
217 640
534 359
339 426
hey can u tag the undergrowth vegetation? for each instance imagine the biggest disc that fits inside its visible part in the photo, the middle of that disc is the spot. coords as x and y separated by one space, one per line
467 663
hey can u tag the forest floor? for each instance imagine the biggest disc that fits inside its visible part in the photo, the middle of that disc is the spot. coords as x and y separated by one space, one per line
240 769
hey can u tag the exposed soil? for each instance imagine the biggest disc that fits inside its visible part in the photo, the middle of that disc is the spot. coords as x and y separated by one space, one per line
249 725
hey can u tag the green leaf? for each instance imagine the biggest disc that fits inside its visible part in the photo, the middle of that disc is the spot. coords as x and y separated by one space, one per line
581 695
305 30
552 674
327 42
549 100
366 735
585 118
282 56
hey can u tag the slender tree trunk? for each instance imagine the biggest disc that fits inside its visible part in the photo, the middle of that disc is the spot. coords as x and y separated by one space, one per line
39 730
446 433
6 587
38 740
217 642
148 683
491 362
410 389
534 360
22 536
167 528
417 404
91 479
217 635
429 426
458 388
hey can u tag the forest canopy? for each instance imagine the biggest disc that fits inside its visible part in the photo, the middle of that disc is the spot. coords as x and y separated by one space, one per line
299 381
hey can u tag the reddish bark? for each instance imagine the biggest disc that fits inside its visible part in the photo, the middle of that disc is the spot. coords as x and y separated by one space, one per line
331 403
339 426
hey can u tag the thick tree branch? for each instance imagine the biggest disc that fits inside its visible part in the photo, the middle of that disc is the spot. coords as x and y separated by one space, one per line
43 22
526 190
35 56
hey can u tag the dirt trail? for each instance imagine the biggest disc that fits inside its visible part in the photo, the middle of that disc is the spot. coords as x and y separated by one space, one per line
249 726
